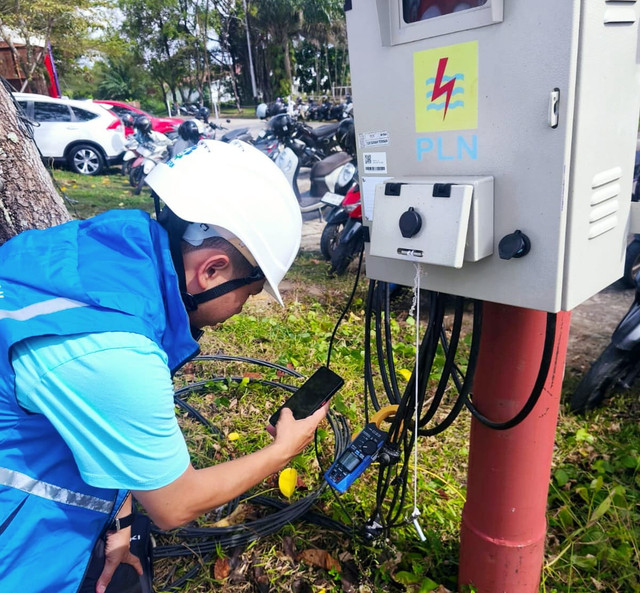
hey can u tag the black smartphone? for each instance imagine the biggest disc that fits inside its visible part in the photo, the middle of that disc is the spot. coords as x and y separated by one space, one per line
311 395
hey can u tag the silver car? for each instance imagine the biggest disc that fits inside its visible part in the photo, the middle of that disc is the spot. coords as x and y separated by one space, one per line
80 134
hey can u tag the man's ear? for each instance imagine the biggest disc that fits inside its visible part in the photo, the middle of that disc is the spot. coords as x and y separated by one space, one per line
210 269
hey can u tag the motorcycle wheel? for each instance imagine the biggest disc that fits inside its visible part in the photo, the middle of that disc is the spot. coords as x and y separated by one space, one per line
126 168
138 188
631 263
602 379
342 256
330 238
135 175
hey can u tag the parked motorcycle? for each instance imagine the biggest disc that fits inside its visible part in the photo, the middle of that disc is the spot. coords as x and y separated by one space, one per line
319 111
617 368
189 110
343 236
342 110
188 135
632 254
149 155
152 148
292 153
334 174
130 154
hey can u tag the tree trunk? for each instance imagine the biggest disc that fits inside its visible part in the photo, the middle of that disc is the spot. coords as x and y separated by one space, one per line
288 71
28 198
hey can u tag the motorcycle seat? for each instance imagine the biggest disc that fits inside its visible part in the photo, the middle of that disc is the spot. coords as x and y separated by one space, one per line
324 132
329 164
233 134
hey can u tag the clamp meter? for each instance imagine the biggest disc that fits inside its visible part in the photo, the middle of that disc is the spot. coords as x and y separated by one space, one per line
357 457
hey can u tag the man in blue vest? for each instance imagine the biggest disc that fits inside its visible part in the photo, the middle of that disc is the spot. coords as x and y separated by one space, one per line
95 317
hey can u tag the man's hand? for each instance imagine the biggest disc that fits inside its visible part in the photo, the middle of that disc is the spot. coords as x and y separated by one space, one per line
294 435
117 550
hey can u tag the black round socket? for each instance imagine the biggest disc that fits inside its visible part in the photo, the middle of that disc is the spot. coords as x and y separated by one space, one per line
410 223
514 245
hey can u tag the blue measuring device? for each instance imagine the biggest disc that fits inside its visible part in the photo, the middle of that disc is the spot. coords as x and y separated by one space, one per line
357 457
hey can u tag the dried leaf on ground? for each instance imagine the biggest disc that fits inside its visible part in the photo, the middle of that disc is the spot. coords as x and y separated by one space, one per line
249 375
239 515
289 547
221 569
319 558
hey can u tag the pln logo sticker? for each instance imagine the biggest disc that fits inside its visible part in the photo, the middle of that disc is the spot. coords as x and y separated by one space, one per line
446 88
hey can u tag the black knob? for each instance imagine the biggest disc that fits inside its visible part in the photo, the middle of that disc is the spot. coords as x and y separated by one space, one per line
515 245
410 223
368 447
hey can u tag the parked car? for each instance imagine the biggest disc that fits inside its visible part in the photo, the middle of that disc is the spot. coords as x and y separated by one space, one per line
82 135
164 125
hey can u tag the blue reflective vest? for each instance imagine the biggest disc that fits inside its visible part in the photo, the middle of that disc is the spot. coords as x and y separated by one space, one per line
109 273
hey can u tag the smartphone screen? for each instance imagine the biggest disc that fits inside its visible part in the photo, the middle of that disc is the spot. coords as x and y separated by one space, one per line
311 395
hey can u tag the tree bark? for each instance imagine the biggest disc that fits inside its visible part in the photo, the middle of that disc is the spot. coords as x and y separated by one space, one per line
28 197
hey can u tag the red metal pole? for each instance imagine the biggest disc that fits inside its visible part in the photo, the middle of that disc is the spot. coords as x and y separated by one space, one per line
504 518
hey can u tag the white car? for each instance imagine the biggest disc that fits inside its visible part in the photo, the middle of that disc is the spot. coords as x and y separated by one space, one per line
81 134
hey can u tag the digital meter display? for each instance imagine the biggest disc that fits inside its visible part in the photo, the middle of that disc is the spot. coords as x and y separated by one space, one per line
420 10
349 461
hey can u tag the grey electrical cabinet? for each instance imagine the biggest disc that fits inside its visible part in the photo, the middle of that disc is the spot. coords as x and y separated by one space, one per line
496 143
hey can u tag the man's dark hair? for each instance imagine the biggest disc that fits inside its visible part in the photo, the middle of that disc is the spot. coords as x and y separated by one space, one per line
241 266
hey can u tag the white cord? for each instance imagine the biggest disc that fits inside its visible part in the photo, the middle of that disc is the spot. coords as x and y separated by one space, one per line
415 305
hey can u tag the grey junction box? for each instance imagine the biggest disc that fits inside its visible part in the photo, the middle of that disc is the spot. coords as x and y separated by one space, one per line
502 133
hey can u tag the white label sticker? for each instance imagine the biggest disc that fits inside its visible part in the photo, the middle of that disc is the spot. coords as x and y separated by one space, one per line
375 162
368 192
373 139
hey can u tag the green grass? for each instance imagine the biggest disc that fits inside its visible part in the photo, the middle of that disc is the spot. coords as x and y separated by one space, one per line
593 537
90 195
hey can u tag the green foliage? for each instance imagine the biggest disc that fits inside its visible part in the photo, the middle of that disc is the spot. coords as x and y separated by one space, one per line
594 503
70 30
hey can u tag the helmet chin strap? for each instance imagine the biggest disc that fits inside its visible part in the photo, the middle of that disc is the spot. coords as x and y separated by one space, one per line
175 227
191 301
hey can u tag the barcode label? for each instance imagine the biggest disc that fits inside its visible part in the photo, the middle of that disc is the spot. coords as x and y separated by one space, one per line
375 162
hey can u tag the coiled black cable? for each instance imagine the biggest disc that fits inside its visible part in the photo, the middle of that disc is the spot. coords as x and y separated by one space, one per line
391 487
536 391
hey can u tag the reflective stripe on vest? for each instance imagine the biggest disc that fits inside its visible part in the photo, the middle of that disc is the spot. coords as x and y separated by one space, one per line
20 481
42 308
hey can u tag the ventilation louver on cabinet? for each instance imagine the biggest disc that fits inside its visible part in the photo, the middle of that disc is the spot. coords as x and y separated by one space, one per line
619 12
605 202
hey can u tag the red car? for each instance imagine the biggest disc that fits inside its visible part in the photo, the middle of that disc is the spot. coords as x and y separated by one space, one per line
159 124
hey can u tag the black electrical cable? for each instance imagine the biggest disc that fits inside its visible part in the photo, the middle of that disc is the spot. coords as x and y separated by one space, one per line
246 359
191 411
200 385
391 389
448 366
541 379
368 372
389 346
187 576
398 479
465 388
243 534
346 307
422 370
457 376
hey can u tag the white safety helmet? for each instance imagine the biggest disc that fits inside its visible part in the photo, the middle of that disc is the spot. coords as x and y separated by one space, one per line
240 190
261 111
